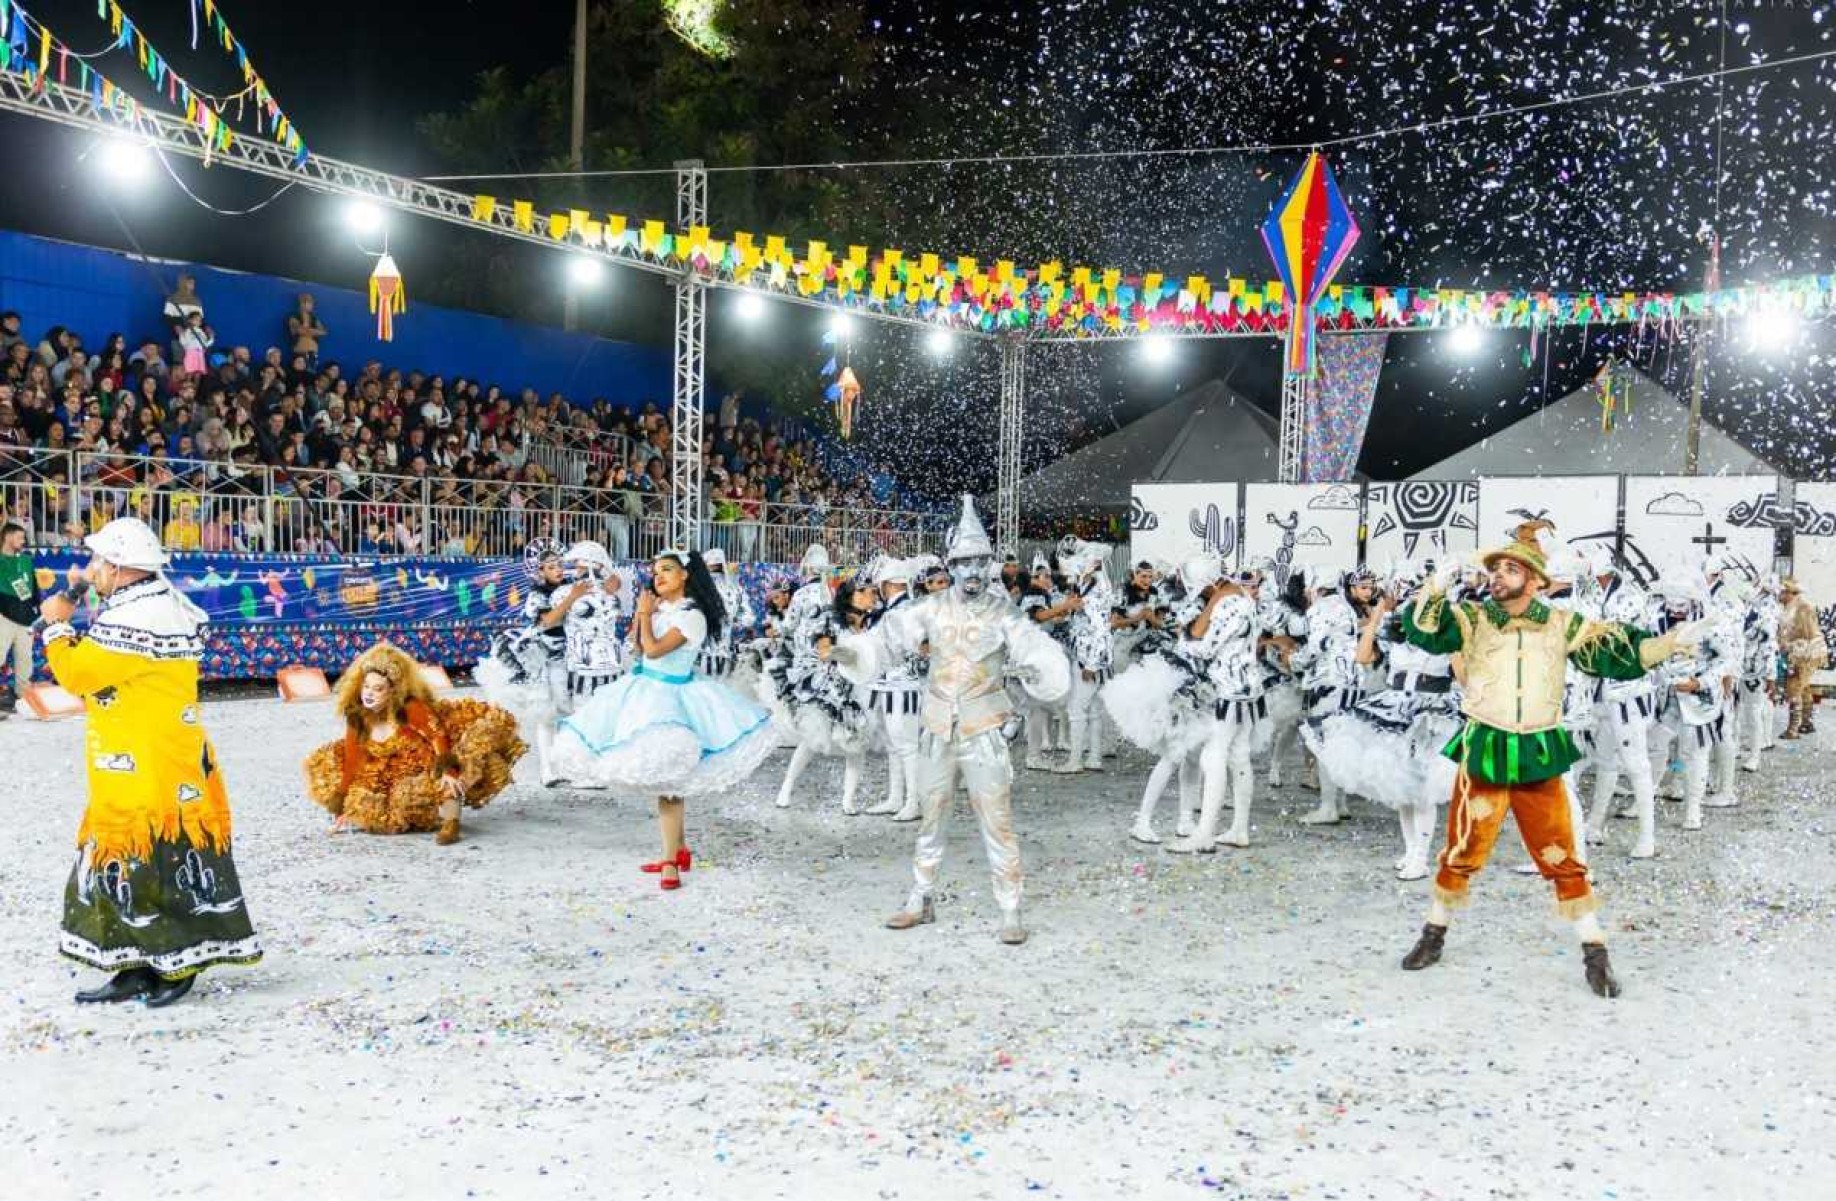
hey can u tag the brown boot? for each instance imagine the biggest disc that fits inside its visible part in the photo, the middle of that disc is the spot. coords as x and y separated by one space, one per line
449 833
909 917
1599 970
1795 726
1427 949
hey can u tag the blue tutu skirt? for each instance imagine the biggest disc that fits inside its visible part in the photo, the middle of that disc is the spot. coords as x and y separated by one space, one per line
665 735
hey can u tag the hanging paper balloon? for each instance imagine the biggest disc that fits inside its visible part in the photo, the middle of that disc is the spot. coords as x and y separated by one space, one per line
849 389
388 296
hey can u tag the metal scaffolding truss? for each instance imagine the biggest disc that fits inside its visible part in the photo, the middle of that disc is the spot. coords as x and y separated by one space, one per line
689 378
1013 415
1296 395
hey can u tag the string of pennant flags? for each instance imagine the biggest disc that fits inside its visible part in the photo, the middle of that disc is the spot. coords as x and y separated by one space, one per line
964 293
29 47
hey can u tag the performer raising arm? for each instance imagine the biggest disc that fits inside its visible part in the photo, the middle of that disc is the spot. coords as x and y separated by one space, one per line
1513 750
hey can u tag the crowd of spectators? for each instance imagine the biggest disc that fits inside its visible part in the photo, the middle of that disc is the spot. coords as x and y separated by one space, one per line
222 450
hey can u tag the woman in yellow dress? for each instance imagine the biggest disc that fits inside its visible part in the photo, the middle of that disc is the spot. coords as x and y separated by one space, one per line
407 761
154 896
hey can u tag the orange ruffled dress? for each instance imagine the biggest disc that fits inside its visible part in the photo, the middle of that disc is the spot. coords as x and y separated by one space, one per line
393 786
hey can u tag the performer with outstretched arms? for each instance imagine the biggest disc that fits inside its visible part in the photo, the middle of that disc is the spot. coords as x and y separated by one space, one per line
1513 749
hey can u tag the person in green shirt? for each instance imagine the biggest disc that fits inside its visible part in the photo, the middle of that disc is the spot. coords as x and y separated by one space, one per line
1513 750
18 610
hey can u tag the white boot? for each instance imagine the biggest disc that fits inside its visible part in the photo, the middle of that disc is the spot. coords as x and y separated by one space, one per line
1646 847
800 759
1074 762
1327 813
1242 783
851 784
1418 835
1695 784
1150 800
545 744
895 790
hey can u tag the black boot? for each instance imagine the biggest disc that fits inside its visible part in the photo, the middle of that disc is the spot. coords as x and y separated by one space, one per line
169 992
1427 949
1600 976
125 986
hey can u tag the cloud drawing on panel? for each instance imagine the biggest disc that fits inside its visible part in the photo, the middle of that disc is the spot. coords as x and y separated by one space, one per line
1338 496
1674 504
1314 536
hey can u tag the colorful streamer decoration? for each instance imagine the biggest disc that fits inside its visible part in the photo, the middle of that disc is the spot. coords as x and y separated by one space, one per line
1613 389
1308 234
388 296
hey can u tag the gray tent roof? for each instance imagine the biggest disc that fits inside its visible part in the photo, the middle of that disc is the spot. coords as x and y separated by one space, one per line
1209 434
1565 438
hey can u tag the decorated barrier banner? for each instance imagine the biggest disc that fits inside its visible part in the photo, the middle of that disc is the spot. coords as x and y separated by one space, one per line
1420 519
1583 508
1677 525
1176 522
1298 525
273 611
1340 409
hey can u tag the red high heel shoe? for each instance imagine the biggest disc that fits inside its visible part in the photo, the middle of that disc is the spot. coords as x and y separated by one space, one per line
685 860
668 883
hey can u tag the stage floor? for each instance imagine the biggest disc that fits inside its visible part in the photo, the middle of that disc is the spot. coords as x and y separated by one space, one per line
525 1016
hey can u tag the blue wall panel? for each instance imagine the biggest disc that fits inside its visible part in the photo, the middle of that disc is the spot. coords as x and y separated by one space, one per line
98 292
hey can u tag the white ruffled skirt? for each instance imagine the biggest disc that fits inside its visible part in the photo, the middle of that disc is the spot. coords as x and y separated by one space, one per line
1388 749
1157 706
664 735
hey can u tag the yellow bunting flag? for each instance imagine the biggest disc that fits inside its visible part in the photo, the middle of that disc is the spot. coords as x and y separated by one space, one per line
484 208
857 256
1111 278
522 215
652 238
1004 270
927 265
965 267
615 228
774 248
577 221
557 226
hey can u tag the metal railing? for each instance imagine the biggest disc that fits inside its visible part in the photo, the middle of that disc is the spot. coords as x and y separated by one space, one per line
213 505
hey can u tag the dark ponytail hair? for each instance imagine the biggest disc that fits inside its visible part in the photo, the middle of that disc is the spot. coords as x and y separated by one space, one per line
702 591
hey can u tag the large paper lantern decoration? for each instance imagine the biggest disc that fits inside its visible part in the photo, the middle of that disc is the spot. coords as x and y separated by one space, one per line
1309 233
388 297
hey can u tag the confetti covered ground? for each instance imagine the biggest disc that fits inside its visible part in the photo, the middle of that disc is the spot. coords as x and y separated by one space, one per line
526 1016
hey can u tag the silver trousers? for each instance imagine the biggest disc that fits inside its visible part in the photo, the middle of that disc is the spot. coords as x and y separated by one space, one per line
989 775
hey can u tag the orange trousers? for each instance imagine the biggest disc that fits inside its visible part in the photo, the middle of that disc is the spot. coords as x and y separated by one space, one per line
1474 818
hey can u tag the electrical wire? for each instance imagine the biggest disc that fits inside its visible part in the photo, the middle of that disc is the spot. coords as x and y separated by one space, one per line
203 203
1182 151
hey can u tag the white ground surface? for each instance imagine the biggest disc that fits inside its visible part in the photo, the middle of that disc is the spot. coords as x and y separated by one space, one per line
525 1016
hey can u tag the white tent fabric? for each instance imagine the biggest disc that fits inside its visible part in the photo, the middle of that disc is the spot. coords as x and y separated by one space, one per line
1565 438
1210 434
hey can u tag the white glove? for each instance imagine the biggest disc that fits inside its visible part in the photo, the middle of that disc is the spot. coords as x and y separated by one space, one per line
1444 576
1010 729
1690 634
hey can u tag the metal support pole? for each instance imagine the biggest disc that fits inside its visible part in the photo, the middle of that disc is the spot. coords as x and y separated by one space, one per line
576 146
1296 394
1013 412
1698 372
690 383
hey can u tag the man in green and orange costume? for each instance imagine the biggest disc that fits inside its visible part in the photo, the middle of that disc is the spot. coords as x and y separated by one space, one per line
1513 750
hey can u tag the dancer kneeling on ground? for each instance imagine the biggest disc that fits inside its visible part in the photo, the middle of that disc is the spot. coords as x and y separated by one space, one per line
1513 750
153 896
407 762
660 728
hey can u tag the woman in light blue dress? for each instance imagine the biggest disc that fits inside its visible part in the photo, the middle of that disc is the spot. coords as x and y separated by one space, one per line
661 728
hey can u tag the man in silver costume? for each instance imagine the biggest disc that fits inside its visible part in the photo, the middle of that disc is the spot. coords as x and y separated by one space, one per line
976 639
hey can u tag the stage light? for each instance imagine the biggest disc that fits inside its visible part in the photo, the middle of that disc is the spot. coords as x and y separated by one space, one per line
1156 349
125 162
939 342
363 218
841 325
1769 332
1466 340
751 306
585 271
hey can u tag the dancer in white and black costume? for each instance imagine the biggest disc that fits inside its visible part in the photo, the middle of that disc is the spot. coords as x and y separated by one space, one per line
827 710
1729 601
1164 703
1755 715
1692 689
1388 747
1091 601
526 671
1046 606
1283 617
809 601
590 623
893 701
720 655
1334 679
1623 709
976 639
1139 620
1224 636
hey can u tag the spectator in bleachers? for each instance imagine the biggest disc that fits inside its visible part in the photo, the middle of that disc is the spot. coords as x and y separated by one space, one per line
9 332
305 329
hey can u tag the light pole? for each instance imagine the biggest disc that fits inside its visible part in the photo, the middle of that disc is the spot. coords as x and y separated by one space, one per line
570 313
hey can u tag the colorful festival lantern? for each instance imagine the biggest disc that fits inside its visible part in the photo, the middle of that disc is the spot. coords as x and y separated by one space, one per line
1308 234
388 297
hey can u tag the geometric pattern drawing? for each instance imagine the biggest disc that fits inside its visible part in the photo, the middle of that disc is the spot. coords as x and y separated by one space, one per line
1764 510
1414 510
1140 517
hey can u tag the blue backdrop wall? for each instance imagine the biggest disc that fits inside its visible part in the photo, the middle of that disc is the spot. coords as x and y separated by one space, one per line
98 292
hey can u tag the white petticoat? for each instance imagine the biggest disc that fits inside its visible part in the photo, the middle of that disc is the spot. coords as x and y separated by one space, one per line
1387 765
1151 712
664 736
535 694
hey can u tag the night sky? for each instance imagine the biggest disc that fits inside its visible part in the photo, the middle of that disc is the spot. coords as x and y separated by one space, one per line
1610 194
